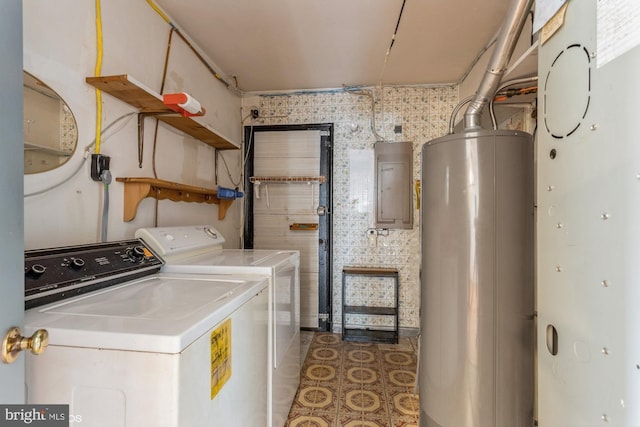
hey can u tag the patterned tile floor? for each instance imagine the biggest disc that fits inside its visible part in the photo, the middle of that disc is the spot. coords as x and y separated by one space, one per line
347 384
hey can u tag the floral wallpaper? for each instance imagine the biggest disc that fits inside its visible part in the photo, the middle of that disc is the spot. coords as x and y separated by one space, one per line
423 114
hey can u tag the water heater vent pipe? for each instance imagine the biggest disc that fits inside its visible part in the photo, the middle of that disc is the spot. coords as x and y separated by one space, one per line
505 44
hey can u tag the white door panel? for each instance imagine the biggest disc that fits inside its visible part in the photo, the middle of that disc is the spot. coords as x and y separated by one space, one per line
307 251
311 263
297 198
278 166
278 206
303 144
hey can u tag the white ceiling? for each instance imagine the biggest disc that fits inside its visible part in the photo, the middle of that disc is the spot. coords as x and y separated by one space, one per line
280 45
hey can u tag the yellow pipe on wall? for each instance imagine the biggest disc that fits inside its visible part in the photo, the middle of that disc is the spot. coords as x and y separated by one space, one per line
160 12
97 71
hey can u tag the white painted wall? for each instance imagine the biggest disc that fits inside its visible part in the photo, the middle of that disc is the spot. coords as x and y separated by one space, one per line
60 49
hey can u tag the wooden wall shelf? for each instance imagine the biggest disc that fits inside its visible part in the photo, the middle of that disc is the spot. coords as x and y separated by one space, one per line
137 189
134 93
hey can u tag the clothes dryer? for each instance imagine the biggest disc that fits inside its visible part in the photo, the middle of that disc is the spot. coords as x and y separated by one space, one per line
199 250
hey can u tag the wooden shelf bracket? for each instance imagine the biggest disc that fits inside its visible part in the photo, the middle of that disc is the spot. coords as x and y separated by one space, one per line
137 189
149 103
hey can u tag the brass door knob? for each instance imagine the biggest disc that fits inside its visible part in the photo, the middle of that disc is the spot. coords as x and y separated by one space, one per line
13 343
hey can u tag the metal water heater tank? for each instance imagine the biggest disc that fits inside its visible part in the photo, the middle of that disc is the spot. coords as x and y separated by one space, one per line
477 338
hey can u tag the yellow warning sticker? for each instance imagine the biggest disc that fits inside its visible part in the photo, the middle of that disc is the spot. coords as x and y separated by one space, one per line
220 340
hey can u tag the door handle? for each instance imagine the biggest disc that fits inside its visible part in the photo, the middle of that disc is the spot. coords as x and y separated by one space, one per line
302 226
13 343
321 211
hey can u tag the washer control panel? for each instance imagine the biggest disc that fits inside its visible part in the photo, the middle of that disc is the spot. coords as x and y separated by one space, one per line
58 273
181 241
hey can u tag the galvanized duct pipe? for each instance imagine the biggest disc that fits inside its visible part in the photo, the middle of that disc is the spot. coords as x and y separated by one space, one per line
505 44
454 114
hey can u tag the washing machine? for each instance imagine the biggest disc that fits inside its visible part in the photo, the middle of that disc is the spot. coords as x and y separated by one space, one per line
199 250
130 345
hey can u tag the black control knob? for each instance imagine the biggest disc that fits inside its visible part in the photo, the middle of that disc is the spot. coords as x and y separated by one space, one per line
139 251
136 253
36 270
76 263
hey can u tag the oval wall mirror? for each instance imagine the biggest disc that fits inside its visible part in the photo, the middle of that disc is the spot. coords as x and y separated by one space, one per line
50 129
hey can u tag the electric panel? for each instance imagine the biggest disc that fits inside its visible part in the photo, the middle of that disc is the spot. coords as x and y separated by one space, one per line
394 198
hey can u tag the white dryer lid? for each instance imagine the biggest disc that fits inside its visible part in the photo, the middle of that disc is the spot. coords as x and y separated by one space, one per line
235 261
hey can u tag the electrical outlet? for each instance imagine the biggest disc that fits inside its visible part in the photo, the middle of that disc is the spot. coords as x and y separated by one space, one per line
372 237
99 164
